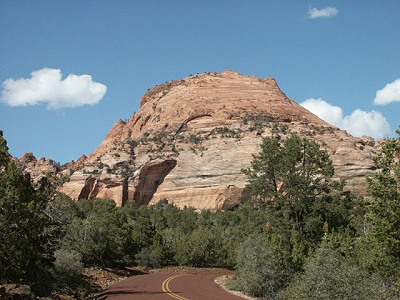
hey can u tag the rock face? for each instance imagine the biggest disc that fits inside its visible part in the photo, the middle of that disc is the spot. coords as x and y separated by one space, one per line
191 138
38 167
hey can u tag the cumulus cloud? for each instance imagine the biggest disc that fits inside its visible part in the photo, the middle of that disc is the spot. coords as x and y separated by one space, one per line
371 123
326 111
358 123
390 93
327 12
46 86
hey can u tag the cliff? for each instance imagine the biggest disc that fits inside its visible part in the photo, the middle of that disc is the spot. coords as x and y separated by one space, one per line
191 138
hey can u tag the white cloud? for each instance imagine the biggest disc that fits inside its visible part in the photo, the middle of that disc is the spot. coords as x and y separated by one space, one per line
326 111
371 123
390 93
46 86
327 12
358 123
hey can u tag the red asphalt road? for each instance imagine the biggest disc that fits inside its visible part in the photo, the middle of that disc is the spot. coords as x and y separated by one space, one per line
168 286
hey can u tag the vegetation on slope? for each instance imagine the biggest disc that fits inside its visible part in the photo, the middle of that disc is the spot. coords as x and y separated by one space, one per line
298 236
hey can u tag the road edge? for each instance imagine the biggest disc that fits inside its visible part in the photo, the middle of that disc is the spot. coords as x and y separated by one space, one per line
222 280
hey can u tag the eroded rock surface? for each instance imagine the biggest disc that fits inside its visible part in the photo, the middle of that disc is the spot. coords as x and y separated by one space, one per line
38 168
191 138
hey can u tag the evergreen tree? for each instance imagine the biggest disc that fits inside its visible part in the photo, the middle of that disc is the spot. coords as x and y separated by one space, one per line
381 245
98 233
25 248
4 155
293 181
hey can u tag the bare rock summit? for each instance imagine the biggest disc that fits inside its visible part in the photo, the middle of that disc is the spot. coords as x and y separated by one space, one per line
38 168
191 138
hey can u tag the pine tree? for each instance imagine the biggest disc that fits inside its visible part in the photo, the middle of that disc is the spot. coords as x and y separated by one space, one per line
293 180
382 241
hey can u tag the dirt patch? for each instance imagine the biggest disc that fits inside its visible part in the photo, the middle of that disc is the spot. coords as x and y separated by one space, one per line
101 278
94 281
105 277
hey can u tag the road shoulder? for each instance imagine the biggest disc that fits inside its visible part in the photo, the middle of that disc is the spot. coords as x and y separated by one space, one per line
222 282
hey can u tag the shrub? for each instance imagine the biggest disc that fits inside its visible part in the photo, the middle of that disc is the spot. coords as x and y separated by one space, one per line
257 270
200 248
68 264
330 276
98 234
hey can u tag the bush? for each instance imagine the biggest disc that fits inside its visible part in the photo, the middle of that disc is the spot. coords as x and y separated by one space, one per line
330 276
99 234
158 254
68 264
199 248
148 257
257 271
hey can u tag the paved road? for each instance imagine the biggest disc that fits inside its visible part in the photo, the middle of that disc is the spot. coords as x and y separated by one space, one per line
164 286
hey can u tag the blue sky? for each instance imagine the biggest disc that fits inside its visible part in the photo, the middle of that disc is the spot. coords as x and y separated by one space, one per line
334 54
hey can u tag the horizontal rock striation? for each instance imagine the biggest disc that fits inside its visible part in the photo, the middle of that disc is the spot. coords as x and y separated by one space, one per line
191 138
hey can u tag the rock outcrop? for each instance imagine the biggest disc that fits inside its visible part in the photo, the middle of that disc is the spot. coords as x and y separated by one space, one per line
191 138
38 168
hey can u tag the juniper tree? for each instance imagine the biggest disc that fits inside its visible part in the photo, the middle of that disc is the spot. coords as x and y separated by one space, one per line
293 180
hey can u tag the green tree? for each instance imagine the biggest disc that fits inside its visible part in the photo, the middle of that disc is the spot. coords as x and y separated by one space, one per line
293 181
200 248
62 210
4 155
141 233
26 253
157 255
381 245
98 234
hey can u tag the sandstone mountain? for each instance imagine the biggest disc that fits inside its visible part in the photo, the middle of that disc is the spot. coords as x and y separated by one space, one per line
191 138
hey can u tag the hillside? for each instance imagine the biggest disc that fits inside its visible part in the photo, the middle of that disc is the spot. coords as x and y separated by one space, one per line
191 138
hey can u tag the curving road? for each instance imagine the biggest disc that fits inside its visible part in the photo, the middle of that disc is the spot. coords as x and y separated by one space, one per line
168 286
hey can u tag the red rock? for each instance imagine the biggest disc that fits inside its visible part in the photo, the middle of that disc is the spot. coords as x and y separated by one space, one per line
191 138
